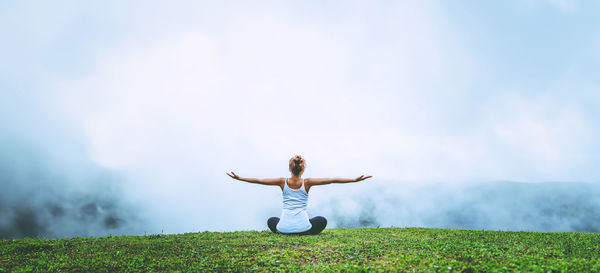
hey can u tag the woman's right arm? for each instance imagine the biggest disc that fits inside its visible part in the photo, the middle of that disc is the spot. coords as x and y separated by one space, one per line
325 181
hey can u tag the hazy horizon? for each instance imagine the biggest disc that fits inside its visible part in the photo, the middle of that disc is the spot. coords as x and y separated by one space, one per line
123 118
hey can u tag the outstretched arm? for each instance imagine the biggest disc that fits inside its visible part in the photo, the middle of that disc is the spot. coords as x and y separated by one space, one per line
325 181
264 181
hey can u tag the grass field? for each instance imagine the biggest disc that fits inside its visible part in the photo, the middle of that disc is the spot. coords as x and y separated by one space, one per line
345 250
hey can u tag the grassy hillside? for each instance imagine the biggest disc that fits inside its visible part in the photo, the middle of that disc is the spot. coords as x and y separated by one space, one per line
346 250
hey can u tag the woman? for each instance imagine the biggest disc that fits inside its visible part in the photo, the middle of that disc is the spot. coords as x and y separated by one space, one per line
294 219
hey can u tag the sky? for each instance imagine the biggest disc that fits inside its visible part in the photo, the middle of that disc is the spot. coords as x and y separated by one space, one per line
164 99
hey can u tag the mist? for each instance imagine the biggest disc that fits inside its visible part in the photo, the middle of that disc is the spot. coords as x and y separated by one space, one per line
50 188
490 205
124 119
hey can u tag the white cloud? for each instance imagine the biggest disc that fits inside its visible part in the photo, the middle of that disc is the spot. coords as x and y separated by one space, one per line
177 113
384 93
272 81
540 137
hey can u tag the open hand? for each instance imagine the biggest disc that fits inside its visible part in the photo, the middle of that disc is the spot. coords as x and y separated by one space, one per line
234 176
362 177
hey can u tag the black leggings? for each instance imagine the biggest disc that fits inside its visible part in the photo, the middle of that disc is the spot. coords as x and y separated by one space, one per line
318 224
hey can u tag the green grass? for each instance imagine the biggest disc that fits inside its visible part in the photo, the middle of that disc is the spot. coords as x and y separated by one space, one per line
345 250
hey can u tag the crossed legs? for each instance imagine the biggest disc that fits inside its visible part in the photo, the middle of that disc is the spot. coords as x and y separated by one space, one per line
318 224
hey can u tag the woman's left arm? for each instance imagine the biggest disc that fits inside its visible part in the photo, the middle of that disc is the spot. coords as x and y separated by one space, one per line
264 181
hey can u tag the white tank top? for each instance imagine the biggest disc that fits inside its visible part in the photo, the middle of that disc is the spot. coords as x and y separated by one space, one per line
294 217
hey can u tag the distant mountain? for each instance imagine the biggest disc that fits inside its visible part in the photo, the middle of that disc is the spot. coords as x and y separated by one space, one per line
501 205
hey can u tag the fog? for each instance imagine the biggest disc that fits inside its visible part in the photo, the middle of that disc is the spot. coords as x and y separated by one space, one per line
50 187
123 119
493 205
